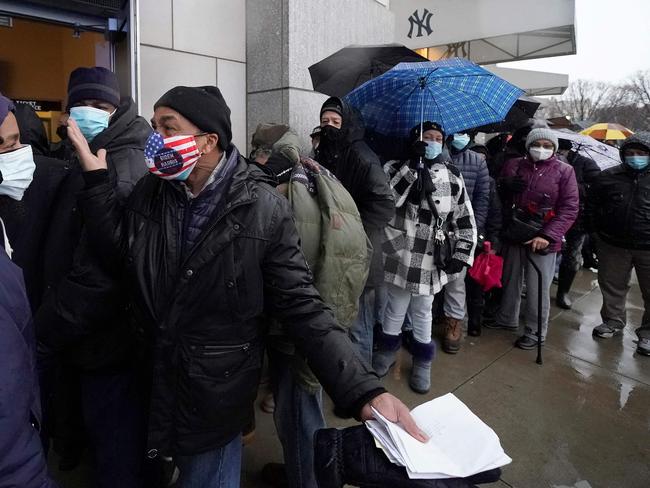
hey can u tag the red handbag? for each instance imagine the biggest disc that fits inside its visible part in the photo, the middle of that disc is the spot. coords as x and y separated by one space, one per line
487 269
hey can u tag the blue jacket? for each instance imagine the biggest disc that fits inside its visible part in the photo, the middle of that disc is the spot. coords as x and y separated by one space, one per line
477 182
22 462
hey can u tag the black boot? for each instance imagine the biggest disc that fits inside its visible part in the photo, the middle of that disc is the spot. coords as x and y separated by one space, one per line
474 322
349 456
564 283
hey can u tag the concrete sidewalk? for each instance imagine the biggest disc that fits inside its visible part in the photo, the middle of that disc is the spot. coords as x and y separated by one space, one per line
581 420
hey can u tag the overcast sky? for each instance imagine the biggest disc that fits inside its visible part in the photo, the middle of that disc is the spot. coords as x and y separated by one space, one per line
613 42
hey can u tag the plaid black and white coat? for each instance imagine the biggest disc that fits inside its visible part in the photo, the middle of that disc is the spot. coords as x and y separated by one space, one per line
409 238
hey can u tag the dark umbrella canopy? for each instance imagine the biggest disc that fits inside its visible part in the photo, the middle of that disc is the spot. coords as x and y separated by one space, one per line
350 67
523 109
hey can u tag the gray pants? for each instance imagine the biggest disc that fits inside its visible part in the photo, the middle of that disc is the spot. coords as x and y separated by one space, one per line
614 277
515 268
401 301
455 297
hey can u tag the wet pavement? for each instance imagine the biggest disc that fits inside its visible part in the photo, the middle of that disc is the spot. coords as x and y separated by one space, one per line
580 420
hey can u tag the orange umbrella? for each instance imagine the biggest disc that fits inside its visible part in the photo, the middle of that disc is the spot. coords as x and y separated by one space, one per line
605 132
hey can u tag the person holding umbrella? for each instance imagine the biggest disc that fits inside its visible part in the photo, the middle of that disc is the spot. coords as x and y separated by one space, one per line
541 202
428 243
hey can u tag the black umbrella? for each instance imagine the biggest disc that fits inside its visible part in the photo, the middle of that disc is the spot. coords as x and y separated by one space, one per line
347 68
523 110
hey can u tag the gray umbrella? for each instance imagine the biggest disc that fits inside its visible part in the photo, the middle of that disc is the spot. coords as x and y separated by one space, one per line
605 156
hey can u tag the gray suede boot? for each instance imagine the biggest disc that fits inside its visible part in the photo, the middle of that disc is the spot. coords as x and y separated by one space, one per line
384 357
420 381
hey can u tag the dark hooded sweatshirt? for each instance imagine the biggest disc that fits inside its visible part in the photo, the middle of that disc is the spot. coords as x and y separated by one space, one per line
359 170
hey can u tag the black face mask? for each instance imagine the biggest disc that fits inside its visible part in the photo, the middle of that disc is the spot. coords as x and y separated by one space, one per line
330 147
331 134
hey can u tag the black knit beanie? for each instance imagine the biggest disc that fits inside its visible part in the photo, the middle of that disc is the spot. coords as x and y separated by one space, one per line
332 104
93 84
204 106
414 135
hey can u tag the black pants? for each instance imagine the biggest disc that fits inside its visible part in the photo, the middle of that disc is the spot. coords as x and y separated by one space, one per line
572 253
113 407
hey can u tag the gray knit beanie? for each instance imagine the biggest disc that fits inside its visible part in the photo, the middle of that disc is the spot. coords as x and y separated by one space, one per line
541 133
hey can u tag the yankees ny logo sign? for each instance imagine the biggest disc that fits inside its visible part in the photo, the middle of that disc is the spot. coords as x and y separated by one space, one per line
423 23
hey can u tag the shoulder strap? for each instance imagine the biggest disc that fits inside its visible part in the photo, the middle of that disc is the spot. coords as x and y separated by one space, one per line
5 238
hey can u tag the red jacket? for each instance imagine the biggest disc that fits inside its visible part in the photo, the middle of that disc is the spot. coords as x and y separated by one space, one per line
552 187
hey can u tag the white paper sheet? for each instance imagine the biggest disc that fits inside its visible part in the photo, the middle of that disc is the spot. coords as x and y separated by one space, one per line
460 444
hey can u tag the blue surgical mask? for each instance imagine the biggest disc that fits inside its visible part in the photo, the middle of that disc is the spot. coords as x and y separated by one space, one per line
460 141
433 149
637 162
91 120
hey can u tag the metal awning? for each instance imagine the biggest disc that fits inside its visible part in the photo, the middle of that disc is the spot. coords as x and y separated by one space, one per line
486 31
544 43
535 83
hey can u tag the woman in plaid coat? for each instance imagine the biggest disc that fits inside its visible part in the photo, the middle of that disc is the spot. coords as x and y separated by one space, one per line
409 247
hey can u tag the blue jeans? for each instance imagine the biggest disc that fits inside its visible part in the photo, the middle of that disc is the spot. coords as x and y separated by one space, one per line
298 415
362 330
219 468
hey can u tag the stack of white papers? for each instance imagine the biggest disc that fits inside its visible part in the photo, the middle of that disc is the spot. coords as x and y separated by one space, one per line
460 444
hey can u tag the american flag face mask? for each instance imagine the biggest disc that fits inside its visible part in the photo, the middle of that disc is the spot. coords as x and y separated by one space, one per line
171 158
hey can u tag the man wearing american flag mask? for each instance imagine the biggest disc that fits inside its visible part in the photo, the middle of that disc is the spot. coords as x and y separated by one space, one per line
207 252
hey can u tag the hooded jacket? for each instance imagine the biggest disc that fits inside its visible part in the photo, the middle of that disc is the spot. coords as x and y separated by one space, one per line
358 169
618 207
551 186
83 307
204 312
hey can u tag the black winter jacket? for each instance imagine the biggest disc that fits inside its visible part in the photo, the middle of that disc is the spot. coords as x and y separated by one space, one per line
359 170
477 182
27 224
83 308
204 311
587 172
618 207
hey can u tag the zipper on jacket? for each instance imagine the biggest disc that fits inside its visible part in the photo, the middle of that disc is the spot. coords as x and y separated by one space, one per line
223 350
630 204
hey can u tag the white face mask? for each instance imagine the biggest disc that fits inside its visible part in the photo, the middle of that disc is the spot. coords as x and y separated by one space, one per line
539 153
17 170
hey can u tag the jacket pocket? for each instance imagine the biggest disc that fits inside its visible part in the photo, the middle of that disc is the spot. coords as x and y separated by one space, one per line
221 383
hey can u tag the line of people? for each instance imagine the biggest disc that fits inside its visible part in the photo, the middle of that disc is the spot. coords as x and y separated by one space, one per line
161 266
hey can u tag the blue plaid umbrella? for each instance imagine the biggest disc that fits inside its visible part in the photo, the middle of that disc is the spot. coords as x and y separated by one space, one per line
456 93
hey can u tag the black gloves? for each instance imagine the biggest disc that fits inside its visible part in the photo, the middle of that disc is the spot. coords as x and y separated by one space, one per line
419 149
455 266
513 184
350 456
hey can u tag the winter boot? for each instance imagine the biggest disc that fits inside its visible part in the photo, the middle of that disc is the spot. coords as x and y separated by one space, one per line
563 286
420 381
384 357
474 323
453 335
350 457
